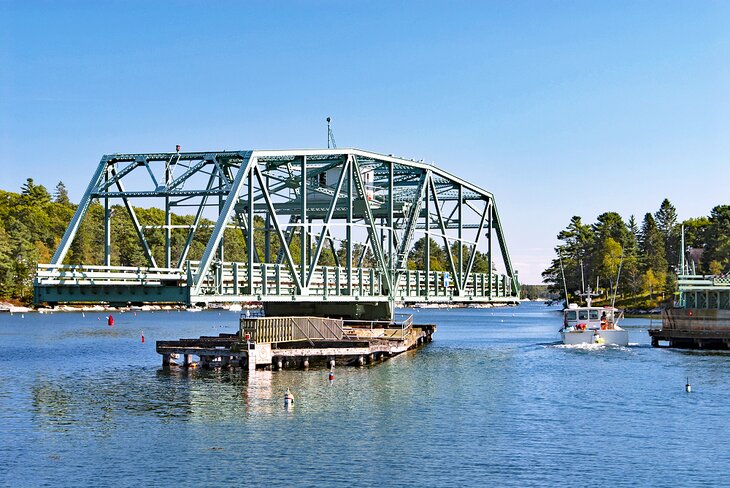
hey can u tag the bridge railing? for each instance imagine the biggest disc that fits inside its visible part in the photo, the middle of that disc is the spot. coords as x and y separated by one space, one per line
417 283
277 280
59 274
232 279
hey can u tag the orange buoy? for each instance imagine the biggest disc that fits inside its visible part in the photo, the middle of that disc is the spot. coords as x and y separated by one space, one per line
142 337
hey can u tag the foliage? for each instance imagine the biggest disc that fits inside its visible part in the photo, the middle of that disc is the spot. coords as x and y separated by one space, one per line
647 256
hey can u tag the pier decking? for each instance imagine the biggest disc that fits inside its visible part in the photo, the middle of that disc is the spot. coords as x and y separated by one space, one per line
299 342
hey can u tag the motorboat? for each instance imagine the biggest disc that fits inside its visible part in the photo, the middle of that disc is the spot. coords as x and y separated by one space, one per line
592 325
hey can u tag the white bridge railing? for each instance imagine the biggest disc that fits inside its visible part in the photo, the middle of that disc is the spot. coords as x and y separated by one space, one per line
276 280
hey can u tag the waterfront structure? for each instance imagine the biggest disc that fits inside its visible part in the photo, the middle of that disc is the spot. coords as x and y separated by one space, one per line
299 342
294 204
700 318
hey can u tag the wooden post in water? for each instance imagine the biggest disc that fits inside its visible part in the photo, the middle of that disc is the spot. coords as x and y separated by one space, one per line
251 358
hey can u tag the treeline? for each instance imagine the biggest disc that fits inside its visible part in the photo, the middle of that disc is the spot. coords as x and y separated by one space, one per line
33 222
648 253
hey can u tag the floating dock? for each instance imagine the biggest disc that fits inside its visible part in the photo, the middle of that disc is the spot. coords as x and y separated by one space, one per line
299 343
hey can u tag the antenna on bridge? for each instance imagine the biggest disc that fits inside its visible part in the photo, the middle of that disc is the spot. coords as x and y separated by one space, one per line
330 135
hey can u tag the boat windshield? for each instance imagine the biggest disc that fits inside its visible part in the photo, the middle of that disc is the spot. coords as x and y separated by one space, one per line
589 315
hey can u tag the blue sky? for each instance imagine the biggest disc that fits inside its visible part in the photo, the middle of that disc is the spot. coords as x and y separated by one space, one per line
558 108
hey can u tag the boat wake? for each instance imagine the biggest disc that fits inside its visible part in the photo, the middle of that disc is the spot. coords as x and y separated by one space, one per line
593 347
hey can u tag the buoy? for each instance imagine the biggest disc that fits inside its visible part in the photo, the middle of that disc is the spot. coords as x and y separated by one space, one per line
22 315
288 399
142 337
332 376
688 387
110 321
83 315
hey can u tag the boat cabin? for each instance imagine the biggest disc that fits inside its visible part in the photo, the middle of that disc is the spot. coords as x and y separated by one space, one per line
588 317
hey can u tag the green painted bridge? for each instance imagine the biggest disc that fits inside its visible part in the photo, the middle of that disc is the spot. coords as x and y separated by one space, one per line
299 204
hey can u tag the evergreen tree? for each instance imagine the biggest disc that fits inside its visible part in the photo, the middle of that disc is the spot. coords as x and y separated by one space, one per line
630 280
61 194
717 249
651 243
666 222
577 243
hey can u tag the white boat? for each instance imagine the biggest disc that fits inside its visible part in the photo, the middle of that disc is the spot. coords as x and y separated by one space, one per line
592 325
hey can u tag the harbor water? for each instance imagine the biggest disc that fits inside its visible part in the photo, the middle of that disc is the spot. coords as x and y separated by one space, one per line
493 401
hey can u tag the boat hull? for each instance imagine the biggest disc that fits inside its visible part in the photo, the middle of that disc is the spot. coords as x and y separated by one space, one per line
618 337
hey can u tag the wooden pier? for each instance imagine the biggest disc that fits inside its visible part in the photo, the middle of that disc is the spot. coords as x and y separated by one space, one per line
299 343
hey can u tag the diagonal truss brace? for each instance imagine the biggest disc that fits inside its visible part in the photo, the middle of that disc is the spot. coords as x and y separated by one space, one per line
472 255
443 232
81 210
327 220
370 221
135 223
249 160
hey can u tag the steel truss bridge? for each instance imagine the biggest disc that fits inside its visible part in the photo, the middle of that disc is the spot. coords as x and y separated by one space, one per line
299 203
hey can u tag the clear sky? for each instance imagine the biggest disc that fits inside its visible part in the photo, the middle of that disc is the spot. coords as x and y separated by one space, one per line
559 108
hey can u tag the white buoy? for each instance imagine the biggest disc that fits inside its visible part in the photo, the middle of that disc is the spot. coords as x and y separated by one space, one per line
288 399
688 386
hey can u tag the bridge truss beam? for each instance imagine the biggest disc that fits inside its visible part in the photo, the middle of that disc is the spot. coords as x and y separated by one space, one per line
291 206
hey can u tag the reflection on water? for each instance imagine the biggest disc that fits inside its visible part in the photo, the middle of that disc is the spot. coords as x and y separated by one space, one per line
494 400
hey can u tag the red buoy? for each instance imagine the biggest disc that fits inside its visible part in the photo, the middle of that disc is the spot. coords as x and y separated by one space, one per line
142 337
110 321
332 376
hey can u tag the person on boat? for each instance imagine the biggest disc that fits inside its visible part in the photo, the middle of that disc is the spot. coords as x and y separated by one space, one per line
604 321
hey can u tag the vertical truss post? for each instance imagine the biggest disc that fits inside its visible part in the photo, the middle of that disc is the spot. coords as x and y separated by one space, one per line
427 254
221 204
390 223
107 224
168 221
489 246
348 231
460 204
305 230
250 245
267 232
